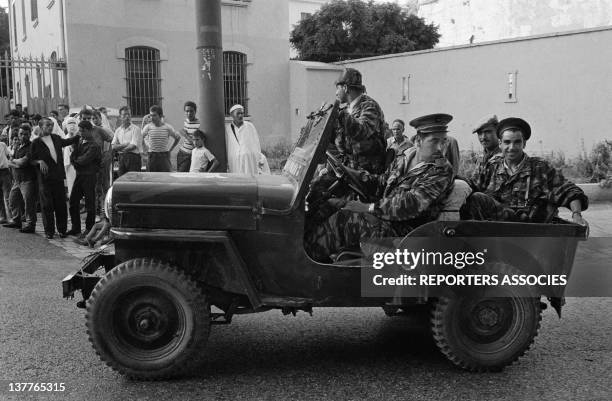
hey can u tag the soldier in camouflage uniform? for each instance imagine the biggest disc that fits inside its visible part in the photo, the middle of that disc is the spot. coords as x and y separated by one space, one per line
486 129
359 140
409 195
517 187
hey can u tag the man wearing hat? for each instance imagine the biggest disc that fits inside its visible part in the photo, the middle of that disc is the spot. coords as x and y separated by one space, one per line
486 129
243 147
518 187
360 134
359 140
408 195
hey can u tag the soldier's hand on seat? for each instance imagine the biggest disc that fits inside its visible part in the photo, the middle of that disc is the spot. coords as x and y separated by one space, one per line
578 219
357 207
337 202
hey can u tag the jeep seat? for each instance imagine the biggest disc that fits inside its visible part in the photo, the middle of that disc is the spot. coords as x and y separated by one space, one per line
454 201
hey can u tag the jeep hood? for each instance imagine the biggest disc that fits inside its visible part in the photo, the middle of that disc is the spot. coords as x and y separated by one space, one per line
214 201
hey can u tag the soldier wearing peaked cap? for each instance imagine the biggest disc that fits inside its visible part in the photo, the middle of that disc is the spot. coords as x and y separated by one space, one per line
359 140
518 187
409 194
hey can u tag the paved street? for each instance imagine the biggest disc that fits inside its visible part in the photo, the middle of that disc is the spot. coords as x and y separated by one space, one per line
336 354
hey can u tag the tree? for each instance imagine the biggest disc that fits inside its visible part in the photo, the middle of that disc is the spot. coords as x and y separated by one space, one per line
349 29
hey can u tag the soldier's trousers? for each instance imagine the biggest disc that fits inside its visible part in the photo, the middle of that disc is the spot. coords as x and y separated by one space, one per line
479 206
343 231
318 208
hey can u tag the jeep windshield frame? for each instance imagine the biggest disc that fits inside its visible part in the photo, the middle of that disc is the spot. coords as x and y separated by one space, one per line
309 150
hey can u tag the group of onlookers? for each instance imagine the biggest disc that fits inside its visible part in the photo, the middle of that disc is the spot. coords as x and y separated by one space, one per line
49 161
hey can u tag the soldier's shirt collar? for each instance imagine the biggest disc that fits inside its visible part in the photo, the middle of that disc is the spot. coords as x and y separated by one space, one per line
354 103
513 171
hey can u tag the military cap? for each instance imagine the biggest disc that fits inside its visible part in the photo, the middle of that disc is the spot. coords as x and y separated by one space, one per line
431 123
514 123
484 122
350 77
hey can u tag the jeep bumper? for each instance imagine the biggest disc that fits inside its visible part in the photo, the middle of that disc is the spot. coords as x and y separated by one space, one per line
84 279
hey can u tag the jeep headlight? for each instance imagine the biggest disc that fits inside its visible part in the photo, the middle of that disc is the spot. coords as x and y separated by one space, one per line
108 204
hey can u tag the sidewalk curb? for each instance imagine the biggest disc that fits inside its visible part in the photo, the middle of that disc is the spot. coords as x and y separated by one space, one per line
596 193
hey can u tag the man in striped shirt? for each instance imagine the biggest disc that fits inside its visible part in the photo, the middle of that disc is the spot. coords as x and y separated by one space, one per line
183 158
158 134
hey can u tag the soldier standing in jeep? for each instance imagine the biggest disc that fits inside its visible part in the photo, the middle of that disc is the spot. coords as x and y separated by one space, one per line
359 140
409 195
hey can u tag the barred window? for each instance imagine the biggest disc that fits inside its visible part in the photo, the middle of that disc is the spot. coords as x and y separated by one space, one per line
143 79
235 80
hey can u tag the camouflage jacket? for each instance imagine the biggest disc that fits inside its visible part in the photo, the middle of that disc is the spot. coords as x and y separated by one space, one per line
412 197
532 188
360 136
481 164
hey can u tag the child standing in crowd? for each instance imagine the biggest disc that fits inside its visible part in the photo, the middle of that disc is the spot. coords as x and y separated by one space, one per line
202 160
183 158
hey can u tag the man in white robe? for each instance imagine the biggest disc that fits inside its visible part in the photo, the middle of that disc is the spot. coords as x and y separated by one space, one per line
243 148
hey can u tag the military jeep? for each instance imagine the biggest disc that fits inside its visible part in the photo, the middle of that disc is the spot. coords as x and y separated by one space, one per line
184 243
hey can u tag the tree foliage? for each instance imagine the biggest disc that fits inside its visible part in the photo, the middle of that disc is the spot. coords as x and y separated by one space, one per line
349 29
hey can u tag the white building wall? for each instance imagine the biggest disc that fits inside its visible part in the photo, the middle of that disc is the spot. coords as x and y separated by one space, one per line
561 89
296 8
484 20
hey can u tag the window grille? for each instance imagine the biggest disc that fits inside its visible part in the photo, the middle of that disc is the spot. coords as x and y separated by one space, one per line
235 80
143 79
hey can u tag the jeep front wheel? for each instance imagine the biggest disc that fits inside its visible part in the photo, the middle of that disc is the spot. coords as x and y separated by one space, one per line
148 320
485 334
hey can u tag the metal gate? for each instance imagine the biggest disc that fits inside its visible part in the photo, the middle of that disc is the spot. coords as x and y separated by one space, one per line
37 83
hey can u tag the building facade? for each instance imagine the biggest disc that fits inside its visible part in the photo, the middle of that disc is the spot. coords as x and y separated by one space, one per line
474 21
142 52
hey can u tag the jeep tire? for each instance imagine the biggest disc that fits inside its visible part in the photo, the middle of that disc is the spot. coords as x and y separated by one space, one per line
148 320
486 334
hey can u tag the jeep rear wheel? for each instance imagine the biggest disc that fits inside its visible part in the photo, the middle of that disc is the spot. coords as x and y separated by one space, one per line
485 334
148 320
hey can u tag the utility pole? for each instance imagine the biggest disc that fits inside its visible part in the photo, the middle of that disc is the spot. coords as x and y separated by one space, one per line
210 77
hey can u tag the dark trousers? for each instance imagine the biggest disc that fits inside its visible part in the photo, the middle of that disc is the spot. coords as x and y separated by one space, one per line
84 186
183 161
6 183
129 162
23 199
159 162
53 202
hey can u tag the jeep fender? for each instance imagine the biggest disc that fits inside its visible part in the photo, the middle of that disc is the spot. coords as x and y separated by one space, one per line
233 276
